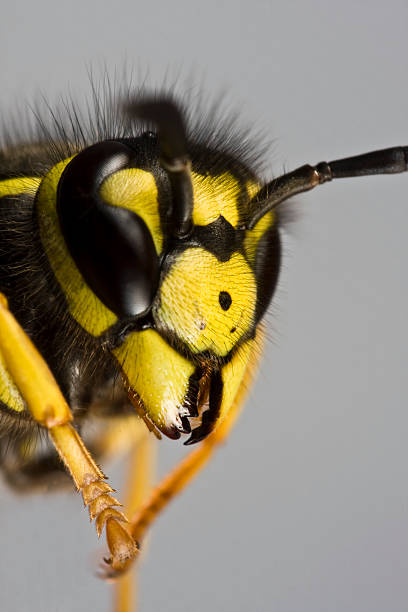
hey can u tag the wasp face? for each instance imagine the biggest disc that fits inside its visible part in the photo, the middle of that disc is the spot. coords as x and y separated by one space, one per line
155 243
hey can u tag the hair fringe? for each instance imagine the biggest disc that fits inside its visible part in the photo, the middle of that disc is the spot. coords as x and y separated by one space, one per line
66 127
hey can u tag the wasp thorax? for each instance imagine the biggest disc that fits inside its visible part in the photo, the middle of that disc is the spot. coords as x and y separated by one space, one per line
208 304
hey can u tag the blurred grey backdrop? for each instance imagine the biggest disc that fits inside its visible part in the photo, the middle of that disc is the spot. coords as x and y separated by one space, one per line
306 508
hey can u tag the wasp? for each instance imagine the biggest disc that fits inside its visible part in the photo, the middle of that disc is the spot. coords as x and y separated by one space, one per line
137 260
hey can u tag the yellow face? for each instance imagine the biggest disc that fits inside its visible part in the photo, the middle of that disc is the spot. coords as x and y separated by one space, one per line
208 304
204 307
204 311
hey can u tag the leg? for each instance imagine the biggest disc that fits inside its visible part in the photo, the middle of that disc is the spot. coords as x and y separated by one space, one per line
139 482
25 470
49 408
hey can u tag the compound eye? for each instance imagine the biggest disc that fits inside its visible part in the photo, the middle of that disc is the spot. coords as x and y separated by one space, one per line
111 246
225 300
267 267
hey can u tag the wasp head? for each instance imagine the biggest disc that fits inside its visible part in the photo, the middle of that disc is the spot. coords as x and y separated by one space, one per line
157 243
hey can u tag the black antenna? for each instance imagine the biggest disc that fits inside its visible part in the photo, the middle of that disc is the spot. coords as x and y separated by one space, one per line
385 161
174 158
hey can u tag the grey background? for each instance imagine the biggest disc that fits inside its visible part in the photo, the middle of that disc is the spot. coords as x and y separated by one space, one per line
305 508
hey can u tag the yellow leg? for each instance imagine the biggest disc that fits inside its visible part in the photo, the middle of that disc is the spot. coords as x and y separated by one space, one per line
48 407
140 479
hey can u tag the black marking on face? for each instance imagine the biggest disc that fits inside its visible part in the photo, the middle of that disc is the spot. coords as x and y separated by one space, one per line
218 237
225 300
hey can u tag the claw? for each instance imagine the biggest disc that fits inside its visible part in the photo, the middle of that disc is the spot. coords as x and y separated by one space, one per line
105 571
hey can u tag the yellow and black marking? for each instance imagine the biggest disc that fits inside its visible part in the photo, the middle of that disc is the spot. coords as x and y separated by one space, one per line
103 225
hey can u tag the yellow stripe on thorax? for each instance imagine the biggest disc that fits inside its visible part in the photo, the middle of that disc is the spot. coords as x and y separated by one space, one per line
9 393
23 184
83 304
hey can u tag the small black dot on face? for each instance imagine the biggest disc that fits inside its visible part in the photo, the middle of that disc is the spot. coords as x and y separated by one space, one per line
225 300
232 330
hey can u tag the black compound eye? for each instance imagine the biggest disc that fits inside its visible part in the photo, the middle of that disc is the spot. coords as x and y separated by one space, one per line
111 246
225 300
